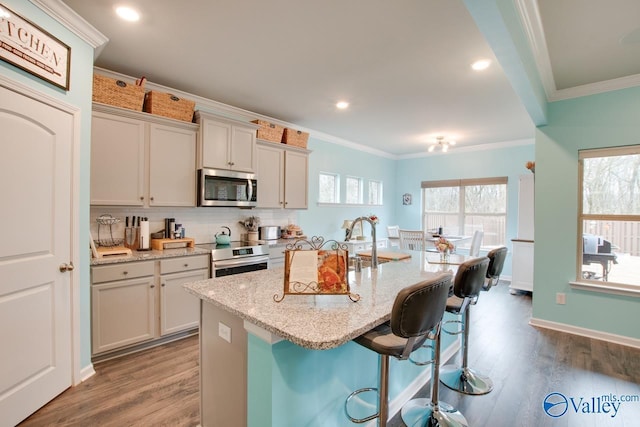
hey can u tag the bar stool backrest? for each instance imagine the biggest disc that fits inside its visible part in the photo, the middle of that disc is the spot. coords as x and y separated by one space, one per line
496 263
470 277
419 308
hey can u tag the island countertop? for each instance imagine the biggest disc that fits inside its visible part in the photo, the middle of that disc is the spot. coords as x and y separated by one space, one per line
316 322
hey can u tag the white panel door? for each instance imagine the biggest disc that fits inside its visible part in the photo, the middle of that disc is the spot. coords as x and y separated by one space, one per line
35 296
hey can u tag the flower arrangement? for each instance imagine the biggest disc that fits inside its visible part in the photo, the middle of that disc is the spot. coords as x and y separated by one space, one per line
443 245
251 224
531 166
373 218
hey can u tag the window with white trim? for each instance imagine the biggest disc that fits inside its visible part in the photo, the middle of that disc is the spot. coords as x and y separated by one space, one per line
353 190
609 216
329 188
375 193
462 206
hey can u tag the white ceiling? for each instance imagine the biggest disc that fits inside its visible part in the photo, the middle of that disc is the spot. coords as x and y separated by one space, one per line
404 66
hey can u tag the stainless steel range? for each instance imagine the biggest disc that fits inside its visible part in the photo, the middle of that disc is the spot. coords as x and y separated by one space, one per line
237 257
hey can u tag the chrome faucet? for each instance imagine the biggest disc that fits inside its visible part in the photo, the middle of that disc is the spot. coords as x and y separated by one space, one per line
374 248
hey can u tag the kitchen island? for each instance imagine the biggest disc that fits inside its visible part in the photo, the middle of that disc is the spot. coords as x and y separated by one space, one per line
293 363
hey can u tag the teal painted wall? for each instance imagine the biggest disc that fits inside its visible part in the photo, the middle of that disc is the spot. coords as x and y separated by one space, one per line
78 96
604 120
509 162
323 220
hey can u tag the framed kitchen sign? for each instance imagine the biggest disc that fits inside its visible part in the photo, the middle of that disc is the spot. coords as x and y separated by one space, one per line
29 47
316 267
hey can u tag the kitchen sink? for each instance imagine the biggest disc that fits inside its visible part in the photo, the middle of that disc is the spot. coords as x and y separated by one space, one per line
366 262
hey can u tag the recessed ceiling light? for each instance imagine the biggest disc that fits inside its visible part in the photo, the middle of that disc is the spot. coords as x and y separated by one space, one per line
127 13
480 65
4 13
342 105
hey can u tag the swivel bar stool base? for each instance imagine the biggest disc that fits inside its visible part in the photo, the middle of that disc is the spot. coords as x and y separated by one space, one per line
421 413
465 380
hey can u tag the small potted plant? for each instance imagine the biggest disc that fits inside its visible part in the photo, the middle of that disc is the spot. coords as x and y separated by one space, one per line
251 224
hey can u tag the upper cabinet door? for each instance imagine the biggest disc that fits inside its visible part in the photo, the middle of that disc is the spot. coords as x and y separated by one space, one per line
296 182
215 142
117 160
270 177
243 149
172 166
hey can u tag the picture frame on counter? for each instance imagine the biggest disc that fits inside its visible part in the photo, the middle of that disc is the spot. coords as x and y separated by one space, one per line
316 267
34 50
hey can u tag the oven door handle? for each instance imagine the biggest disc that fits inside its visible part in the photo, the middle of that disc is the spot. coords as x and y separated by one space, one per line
240 262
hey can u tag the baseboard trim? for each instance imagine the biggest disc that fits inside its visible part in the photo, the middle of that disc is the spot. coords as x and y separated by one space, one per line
87 372
584 332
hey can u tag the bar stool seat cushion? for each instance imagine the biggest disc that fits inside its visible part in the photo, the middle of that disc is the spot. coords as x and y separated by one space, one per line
454 304
381 340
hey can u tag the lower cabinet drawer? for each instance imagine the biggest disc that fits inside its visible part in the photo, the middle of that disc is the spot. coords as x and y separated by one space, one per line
177 265
121 271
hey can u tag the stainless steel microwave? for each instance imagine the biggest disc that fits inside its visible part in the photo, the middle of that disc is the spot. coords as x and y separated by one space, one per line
217 187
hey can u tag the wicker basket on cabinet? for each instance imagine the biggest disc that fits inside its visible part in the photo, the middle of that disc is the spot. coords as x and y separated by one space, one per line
269 131
294 137
117 92
168 105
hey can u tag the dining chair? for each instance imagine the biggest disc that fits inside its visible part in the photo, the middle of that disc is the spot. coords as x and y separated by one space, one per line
476 242
412 240
393 235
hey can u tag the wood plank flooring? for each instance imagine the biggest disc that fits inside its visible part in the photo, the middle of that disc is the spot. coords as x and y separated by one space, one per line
156 387
159 387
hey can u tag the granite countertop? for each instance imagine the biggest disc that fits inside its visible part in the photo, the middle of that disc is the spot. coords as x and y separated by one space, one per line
316 322
150 255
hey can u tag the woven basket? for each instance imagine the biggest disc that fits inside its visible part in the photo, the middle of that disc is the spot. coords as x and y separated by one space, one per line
294 137
167 105
269 131
116 92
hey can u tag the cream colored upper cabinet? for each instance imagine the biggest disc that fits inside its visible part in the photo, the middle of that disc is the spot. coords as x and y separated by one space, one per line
226 143
117 160
138 159
283 177
172 166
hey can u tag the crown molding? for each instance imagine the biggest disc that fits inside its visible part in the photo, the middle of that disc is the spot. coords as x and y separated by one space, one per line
74 23
532 25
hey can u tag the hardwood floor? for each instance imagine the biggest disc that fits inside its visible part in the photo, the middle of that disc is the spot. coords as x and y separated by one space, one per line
159 387
156 387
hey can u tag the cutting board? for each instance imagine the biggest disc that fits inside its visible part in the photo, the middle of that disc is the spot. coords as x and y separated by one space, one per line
162 244
389 255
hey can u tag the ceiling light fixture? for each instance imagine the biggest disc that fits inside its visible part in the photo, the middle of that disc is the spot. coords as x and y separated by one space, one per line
128 14
443 143
480 65
4 13
342 105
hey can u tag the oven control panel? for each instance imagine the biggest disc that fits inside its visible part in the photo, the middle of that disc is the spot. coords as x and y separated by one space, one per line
243 251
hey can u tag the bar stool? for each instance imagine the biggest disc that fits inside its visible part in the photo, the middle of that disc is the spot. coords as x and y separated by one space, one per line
466 289
416 311
496 263
432 412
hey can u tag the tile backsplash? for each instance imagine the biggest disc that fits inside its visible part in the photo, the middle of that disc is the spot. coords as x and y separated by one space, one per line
199 223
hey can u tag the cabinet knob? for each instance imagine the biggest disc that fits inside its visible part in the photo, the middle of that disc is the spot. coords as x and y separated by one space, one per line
141 198
162 285
153 286
151 198
286 203
125 272
186 265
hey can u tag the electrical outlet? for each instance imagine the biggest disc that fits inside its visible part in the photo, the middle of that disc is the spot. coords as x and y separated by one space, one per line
224 331
561 298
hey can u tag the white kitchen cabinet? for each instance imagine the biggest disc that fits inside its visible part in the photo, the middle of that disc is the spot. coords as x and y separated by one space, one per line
123 305
355 245
276 255
283 176
522 274
138 159
179 310
225 143
139 303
